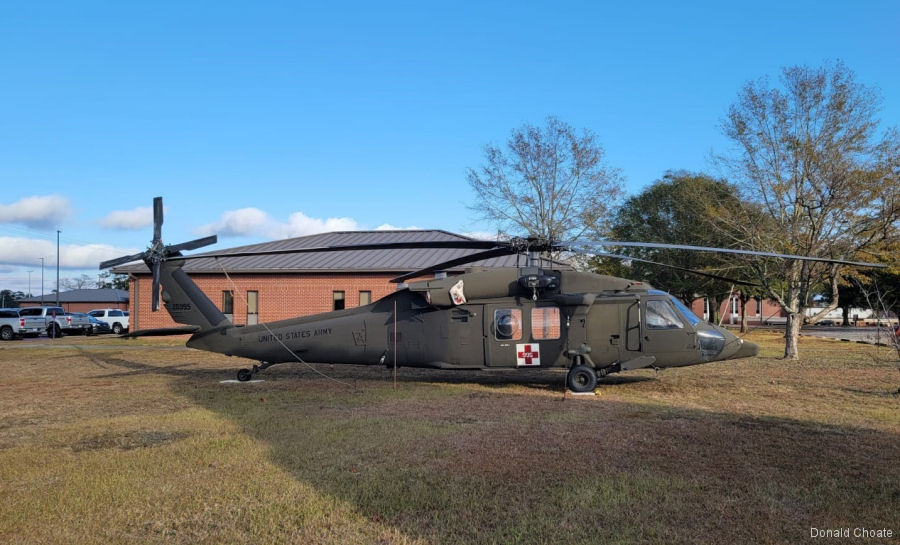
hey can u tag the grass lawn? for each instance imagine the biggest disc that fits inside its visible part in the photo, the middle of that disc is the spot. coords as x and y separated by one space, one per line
111 441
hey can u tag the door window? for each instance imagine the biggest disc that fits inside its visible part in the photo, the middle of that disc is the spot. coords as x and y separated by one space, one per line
545 323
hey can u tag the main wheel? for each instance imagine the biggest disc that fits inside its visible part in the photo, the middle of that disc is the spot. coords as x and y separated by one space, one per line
7 333
581 378
244 375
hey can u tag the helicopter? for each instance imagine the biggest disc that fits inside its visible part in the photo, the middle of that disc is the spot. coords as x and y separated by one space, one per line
529 317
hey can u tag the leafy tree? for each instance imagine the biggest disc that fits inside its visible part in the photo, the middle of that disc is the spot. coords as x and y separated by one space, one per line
680 208
809 152
10 299
108 280
548 181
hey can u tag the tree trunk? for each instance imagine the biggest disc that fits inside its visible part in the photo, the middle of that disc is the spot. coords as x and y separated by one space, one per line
792 335
845 312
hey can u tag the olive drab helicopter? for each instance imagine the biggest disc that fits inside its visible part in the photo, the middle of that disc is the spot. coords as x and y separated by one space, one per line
527 317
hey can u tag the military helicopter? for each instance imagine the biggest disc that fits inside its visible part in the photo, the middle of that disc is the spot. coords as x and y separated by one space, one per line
528 317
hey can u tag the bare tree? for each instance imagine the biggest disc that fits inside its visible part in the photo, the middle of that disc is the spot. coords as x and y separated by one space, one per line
811 155
549 182
78 283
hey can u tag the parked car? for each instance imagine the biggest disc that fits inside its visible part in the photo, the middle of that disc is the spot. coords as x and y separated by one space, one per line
13 326
56 321
115 318
97 326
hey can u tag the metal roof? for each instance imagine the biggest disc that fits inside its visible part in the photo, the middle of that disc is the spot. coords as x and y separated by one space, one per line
388 260
100 295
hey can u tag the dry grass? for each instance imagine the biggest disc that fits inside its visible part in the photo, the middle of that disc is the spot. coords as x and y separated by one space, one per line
107 441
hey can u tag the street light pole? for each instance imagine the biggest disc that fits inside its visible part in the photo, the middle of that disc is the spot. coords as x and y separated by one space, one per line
29 282
57 266
42 280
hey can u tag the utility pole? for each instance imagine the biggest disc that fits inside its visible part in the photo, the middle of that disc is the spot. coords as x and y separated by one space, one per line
57 266
42 280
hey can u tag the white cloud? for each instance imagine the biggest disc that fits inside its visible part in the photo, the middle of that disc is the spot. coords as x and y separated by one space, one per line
28 251
481 235
299 224
242 222
254 222
139 218
38 211
389 227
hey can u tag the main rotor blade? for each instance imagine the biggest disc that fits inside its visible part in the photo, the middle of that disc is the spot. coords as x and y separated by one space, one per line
729 251
496 252
193 244
440 244
157 219
161 331
684 269
120 260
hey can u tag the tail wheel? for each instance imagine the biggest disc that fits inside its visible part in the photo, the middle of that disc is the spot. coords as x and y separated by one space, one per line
581 378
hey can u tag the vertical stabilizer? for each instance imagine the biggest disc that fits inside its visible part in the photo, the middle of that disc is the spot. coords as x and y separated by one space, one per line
185 301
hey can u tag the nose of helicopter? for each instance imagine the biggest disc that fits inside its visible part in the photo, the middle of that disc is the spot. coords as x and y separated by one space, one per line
736 347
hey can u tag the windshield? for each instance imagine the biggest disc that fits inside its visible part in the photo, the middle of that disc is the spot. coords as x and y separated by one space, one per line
688 314
682 308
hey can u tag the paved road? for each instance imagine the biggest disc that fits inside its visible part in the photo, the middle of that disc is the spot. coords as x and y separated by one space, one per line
859 334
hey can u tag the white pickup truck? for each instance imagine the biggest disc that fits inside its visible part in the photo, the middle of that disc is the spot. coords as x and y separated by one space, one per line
56 321
117 319
13 326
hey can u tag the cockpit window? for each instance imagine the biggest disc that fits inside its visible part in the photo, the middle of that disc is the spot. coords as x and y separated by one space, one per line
661 315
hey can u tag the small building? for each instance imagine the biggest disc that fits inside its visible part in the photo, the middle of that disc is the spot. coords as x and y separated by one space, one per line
266 288
759 311
81 300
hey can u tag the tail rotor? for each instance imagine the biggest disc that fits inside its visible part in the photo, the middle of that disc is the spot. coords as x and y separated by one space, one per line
158 252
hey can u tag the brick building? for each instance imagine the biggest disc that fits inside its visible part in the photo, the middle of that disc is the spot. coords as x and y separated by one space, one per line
265 288
759 311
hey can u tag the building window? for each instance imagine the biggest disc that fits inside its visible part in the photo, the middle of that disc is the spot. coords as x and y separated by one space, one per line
252 307
365 297
545 323
338 300
228 304
508 324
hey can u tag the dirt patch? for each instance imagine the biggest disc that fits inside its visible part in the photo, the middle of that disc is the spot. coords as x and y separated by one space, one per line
128 440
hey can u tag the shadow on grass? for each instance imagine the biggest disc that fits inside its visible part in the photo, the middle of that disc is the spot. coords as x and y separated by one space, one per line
441 460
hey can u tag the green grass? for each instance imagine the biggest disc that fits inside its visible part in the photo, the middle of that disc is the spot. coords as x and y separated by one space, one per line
105 441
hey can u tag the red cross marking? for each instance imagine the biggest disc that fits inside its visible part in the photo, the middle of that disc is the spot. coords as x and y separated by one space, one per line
527 354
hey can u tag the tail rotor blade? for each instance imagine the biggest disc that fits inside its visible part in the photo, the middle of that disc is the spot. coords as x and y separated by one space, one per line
155 303
157 218
193 244
120 260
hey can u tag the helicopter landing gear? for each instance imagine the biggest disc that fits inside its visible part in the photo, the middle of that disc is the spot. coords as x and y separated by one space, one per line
244 375
581 378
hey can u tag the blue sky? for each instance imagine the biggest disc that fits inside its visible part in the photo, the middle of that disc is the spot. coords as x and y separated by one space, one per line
261 120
